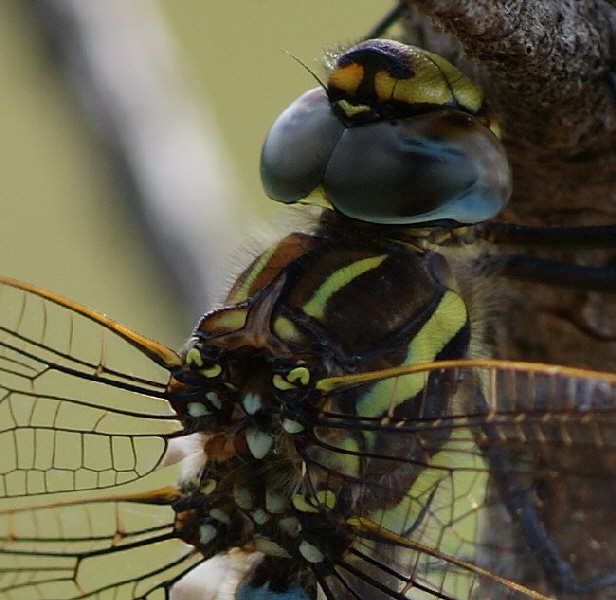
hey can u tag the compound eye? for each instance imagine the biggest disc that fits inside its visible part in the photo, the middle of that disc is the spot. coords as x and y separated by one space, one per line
400 137
298 147
442 165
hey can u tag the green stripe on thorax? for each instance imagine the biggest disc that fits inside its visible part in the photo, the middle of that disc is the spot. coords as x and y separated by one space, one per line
315 307
447 319
241 292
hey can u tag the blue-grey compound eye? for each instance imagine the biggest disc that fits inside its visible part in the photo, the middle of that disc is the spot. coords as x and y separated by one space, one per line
443 165
399 137
298 147
440 165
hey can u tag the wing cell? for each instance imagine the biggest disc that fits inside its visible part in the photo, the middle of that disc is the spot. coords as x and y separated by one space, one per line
81 400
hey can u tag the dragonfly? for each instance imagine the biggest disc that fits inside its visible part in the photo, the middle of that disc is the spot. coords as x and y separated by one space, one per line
339 428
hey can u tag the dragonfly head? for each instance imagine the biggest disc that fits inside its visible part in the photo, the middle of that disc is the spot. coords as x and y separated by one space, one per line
399 136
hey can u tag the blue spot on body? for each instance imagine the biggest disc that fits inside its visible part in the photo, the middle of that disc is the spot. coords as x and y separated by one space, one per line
246 592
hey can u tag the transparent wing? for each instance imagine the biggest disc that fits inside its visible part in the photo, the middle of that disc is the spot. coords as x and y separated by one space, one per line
507 493
118 547
81 398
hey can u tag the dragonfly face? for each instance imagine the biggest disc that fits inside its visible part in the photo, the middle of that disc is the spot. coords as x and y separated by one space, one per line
338 415
395 123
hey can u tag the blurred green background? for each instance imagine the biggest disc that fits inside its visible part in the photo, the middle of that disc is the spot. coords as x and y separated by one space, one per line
60 227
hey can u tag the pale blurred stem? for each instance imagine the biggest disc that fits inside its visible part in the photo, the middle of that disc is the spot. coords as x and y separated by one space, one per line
126 74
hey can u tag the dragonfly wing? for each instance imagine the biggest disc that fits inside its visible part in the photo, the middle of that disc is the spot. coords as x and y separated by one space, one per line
508 493
550 445
117 547
81 401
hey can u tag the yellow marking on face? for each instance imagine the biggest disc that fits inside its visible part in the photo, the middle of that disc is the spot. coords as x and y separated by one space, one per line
346 78
446 320
317 197
241 293
351 110
434 81
315 307
466 93
426 87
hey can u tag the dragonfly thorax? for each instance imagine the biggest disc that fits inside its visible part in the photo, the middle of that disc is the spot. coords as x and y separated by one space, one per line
282 468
